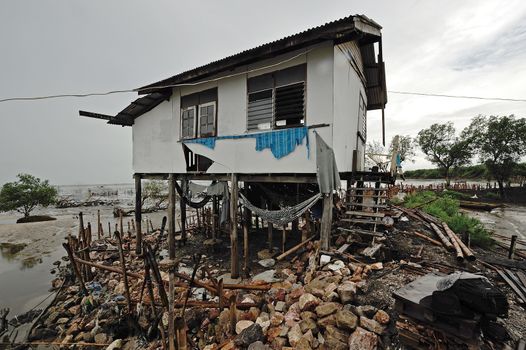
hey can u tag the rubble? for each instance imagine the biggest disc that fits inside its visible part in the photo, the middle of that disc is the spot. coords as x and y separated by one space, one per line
311 299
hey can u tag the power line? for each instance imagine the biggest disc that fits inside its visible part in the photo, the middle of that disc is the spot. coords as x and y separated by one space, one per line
457 96
90 94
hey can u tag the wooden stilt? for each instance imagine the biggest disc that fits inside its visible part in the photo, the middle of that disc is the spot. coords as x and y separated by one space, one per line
133 226
245 242
214 216
326 221
171 253
234 262
129 230
182 206
257 222
109 229
101 228
138 213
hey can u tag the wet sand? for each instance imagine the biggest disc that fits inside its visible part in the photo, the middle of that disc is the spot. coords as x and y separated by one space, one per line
28 251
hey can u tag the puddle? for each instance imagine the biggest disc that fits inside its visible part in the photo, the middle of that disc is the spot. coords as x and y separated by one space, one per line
24 282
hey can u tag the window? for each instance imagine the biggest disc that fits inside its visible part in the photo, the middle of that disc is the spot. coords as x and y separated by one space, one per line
362 119
198 114
277 99
188 123
207 119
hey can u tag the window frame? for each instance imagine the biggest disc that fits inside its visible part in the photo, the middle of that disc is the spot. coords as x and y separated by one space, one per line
193 136
273 125
199 106
362 119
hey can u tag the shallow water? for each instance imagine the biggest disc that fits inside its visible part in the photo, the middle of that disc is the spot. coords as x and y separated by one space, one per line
508 220
24 283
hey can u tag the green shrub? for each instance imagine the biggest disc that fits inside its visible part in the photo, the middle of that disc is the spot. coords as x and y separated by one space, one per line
444 206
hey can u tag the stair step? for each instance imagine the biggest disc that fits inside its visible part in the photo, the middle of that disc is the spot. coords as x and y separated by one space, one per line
368 205
365 213
369 195
364 221
367 189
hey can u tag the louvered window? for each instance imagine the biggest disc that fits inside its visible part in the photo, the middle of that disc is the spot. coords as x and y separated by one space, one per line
277 99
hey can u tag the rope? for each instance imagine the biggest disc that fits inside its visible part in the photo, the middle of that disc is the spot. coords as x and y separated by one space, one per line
282 216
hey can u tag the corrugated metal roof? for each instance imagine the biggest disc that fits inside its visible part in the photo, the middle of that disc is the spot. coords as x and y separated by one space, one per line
338 29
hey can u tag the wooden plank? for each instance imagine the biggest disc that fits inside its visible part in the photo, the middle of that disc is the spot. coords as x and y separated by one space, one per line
368 205
369 195
383 189
512 285
522 277
360 221
515 280
343 248
365 213
361 232
326 221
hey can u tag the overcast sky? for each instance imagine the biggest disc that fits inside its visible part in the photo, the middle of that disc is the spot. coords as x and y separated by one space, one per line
51 47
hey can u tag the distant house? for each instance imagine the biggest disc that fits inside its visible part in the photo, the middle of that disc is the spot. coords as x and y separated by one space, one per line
262 116
213 119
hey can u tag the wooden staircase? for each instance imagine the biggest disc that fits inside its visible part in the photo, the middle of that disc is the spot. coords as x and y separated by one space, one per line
365 201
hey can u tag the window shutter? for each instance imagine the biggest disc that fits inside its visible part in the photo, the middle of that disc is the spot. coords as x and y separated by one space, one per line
290 103
260 107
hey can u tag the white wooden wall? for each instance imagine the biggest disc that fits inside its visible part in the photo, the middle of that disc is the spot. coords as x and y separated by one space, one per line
332 93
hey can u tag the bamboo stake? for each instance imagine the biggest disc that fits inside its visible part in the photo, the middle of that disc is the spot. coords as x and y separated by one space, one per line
75 268
98 225
467 252
283 238
109 229
443 238
124 272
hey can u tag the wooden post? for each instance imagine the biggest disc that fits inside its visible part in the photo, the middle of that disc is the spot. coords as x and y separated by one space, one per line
121 226
75 267
171 254
180 331
214 216
257 222
234 262
98 225
133 226
138 213
248 216
109 229
101 230
124 272
233 313
513 243
270 229
182 207
88 234
81 227
326 221
283 238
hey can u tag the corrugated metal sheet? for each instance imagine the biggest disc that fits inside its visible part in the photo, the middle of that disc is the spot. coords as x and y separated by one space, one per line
334 30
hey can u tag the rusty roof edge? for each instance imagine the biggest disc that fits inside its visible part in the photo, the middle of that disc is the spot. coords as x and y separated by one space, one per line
288 43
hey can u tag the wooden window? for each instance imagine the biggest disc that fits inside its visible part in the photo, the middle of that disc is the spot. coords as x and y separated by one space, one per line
277 99
188 122
362 119
207 119
198 114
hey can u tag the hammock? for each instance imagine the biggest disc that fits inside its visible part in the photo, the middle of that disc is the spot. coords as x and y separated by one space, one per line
195 205
282 216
